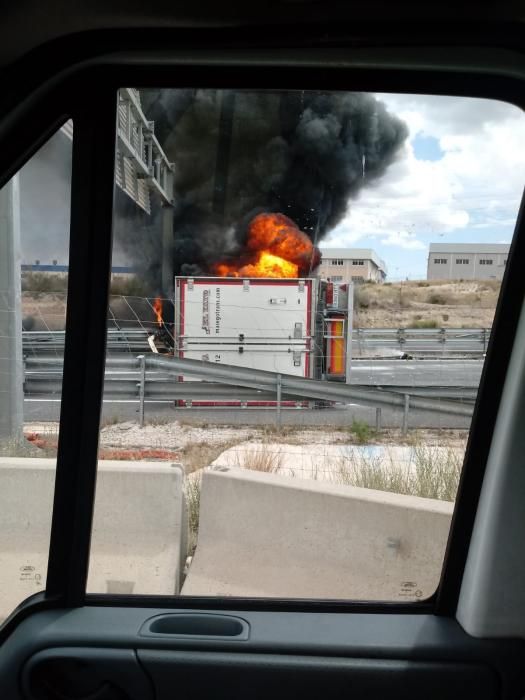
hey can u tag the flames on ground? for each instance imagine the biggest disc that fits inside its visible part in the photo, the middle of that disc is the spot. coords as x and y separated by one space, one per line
157 310
275 247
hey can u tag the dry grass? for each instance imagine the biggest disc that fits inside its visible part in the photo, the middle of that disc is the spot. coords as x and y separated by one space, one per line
201 455
129 286
259 458
432 473
457 303
192 491
22 448
44 282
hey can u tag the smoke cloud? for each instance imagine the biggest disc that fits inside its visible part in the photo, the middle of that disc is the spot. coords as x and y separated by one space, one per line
237 154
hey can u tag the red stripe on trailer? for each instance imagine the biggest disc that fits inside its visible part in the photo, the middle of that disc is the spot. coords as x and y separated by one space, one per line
248 404
308 329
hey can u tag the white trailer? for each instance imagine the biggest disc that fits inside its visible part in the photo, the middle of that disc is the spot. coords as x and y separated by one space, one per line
261 323
288 326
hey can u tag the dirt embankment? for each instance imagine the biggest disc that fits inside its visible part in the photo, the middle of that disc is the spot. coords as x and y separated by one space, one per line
426 304
391 305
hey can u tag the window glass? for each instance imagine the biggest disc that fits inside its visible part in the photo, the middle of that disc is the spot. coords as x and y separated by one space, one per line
34 248
270 429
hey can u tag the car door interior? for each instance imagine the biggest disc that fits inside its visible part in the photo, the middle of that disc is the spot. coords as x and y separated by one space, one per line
67 646
106 653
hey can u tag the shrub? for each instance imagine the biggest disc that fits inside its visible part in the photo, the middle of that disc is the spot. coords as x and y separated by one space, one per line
361 298
128 287
43 282
362 431
436 299
424 323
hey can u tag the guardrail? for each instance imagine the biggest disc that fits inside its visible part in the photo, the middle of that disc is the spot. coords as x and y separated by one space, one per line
416 341
157 377
413 341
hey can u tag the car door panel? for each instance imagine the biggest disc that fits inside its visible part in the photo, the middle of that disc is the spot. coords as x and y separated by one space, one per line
277 654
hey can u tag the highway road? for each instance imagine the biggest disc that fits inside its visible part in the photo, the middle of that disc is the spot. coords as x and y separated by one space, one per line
413 373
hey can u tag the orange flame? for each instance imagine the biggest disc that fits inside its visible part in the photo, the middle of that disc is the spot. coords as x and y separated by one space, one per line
275 247
157 308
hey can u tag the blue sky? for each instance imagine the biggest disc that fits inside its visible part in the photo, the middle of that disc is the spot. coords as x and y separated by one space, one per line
459 179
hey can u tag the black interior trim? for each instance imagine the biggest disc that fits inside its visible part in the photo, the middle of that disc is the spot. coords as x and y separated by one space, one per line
84 354
259 604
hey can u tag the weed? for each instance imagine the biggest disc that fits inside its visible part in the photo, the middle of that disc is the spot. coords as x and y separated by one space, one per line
362 431
109 420
192 490
159 420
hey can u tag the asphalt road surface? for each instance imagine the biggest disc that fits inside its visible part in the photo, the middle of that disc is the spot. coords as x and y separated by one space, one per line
416 372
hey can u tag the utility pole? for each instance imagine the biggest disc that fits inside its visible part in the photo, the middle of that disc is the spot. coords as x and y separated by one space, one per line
222 163
11 360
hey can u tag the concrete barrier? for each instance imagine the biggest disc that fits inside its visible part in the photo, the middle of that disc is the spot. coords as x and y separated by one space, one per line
268 535
139 536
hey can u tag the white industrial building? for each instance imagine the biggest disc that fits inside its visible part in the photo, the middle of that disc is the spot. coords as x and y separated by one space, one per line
351 265
455 261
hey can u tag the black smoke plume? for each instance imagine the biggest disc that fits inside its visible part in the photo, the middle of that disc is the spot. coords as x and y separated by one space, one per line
236 153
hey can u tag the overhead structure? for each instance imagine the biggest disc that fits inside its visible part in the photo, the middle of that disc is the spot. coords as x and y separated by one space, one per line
141 166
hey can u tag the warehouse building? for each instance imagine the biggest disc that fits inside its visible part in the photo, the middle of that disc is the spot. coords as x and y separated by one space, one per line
474 261
351 265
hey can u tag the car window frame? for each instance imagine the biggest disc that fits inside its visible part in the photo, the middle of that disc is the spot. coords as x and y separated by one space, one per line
73 96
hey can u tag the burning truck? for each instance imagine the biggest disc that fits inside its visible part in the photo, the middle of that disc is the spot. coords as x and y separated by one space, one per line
266 309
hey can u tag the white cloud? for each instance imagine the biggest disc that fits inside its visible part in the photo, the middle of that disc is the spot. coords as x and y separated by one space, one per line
476 185
404 239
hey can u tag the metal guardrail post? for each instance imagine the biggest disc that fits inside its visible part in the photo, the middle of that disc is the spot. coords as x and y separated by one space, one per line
401 339
406 409
278 407
443 340
142 388
378 419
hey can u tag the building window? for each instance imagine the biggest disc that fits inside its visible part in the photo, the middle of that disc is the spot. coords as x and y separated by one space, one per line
358 278
485 261
440 261
337 278
505 262
358 262
337 262
462 261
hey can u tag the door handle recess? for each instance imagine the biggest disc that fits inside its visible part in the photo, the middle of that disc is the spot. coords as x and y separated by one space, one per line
200 625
